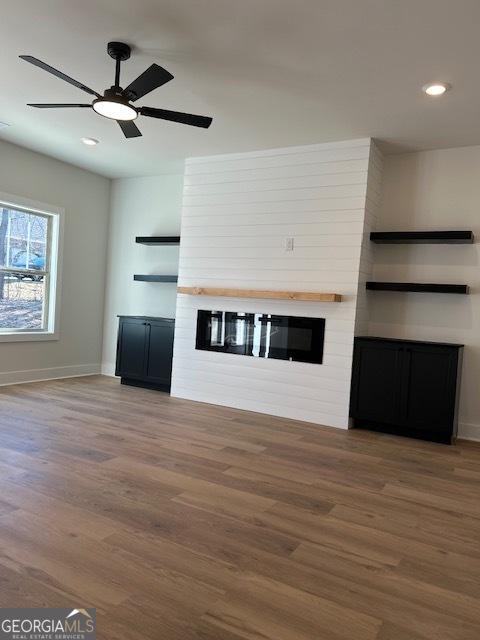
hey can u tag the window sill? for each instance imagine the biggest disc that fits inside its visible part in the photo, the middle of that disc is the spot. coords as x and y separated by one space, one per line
28 336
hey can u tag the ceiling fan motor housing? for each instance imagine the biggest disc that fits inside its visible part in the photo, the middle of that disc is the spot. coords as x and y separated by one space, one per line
119 50
115 94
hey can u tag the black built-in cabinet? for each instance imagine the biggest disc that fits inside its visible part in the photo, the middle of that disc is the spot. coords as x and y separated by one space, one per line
407 388
145 351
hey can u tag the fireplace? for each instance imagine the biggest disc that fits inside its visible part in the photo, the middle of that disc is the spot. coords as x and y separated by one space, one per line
261 335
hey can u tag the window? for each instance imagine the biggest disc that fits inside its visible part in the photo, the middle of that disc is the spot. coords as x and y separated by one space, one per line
28 271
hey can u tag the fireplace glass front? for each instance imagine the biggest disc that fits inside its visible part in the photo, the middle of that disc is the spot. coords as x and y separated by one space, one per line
261 335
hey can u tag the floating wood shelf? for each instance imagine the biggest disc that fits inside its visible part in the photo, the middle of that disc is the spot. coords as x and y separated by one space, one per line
422 237
152 240
308 296
417 287
148 278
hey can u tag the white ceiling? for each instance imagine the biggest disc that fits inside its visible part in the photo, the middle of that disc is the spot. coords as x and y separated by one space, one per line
270 72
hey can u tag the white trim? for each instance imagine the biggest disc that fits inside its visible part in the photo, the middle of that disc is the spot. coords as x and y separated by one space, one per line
468 431
29 336
27 272
108 369
52 373
56 267
56 263
31 205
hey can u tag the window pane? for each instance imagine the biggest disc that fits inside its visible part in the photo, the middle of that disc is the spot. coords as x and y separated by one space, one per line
38 242
22 297
23 239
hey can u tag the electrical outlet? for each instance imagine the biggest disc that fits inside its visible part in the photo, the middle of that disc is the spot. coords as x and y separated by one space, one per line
289 244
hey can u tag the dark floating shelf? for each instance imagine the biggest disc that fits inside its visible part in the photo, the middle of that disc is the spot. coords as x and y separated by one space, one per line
165 240
422 237
417 287
147 278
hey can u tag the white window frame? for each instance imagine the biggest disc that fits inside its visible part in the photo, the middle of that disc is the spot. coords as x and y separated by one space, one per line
54 259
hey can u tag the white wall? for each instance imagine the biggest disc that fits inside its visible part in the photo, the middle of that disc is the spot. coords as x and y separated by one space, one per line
433 190
140 207
85 198
237 211
372 206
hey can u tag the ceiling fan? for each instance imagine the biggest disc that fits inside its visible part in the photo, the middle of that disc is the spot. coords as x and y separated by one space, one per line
116 102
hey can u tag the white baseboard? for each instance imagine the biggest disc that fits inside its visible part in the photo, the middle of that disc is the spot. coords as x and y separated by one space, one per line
52 373
469 431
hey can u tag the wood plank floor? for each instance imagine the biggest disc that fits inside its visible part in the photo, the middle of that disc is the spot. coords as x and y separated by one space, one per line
184 521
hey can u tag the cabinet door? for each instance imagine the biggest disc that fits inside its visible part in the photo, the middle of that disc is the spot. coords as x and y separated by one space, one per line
429 387
160 352
131 348
376 381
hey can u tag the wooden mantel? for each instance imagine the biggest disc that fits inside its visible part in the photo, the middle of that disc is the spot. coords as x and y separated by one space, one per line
309 296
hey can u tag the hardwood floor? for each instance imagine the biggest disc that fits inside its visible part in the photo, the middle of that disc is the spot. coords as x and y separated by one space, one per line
185 521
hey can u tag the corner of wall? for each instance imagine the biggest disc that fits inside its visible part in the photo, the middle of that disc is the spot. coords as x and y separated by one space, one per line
372 206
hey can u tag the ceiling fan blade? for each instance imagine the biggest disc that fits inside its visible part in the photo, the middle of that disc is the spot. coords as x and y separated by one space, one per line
177 116
150 79
129 128
59 74
57 106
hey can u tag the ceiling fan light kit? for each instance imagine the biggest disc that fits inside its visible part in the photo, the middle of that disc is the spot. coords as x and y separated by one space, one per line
115 103
113 106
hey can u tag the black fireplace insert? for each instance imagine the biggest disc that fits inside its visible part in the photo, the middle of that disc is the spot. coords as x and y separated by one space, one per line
261 335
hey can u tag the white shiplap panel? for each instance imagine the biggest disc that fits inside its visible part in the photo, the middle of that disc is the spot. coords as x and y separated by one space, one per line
277 195
257 219
280 230
295 413
313 242
276 160
325 253
278 173
288 274
335 399
228 386
278 264
238 209
327 147
280 206
297 182
283 375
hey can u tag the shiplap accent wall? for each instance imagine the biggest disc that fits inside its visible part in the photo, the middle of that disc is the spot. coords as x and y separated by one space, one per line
238 210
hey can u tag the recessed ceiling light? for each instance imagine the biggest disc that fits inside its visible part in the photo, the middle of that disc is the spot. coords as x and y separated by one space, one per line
90 142
435 88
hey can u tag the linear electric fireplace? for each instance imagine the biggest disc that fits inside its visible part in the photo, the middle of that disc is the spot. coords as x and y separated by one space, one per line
261 335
